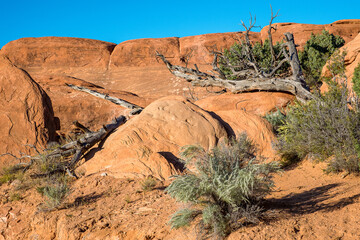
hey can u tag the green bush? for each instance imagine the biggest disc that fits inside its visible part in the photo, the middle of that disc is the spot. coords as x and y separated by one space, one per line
327 127
261 52
55 188
316 52
148 184
356 80
276 119
223 186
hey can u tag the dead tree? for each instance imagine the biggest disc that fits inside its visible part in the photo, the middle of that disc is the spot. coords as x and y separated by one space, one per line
248 75
64 158
135 108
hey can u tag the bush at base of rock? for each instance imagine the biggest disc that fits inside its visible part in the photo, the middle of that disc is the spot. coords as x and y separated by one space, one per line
223 186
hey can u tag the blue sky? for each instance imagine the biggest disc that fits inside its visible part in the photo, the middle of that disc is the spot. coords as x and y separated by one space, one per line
118 21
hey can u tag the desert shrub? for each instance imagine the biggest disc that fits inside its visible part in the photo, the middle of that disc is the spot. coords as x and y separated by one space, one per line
148 184
327 127
15 197
223 186
9 174
276 119
261 52
55 188
317 51
356 80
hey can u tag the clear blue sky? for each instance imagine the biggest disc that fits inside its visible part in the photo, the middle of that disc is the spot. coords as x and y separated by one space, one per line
118 21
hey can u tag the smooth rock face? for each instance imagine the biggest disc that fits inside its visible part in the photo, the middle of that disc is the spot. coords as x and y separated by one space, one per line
347 29
200 47
149 143
141 52
259 103
59 52
256 128
26 114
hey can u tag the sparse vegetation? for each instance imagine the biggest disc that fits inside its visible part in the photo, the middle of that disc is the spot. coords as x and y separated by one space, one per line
55 189
15 197
317 51
224 186
9 174
148 184
327 127
356 80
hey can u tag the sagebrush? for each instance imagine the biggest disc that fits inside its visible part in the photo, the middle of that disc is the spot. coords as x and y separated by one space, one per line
223 186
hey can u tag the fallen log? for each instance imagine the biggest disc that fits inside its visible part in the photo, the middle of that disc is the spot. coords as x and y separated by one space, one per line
74 149
294 84
136 109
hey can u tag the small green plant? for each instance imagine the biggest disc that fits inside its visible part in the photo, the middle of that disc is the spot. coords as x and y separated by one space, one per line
224 186
276 119
15 197
9 174
356 80
55 194
327 127
317 51
148 184
55 189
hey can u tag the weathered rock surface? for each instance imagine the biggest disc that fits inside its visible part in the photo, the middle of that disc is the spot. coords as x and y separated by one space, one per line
141 52
26 114
149 143
257 129
347 29
59 52
259 103
70 105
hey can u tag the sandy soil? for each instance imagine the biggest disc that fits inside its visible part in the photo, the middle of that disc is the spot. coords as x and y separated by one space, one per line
306 204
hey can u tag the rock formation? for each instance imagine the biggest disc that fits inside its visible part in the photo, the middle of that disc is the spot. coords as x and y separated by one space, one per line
26 114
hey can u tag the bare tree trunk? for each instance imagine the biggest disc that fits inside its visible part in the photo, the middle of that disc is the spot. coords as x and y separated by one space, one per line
115 100
294 85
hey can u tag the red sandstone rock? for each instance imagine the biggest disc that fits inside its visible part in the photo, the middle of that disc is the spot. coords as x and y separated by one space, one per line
26 114
257 129
148 143
70 105
347 29
141 52
201 46
259 103
59 52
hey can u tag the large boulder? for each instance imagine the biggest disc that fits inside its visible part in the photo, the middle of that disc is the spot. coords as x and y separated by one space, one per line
149 143
256 128
59 53
141 52
26 114
347 29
